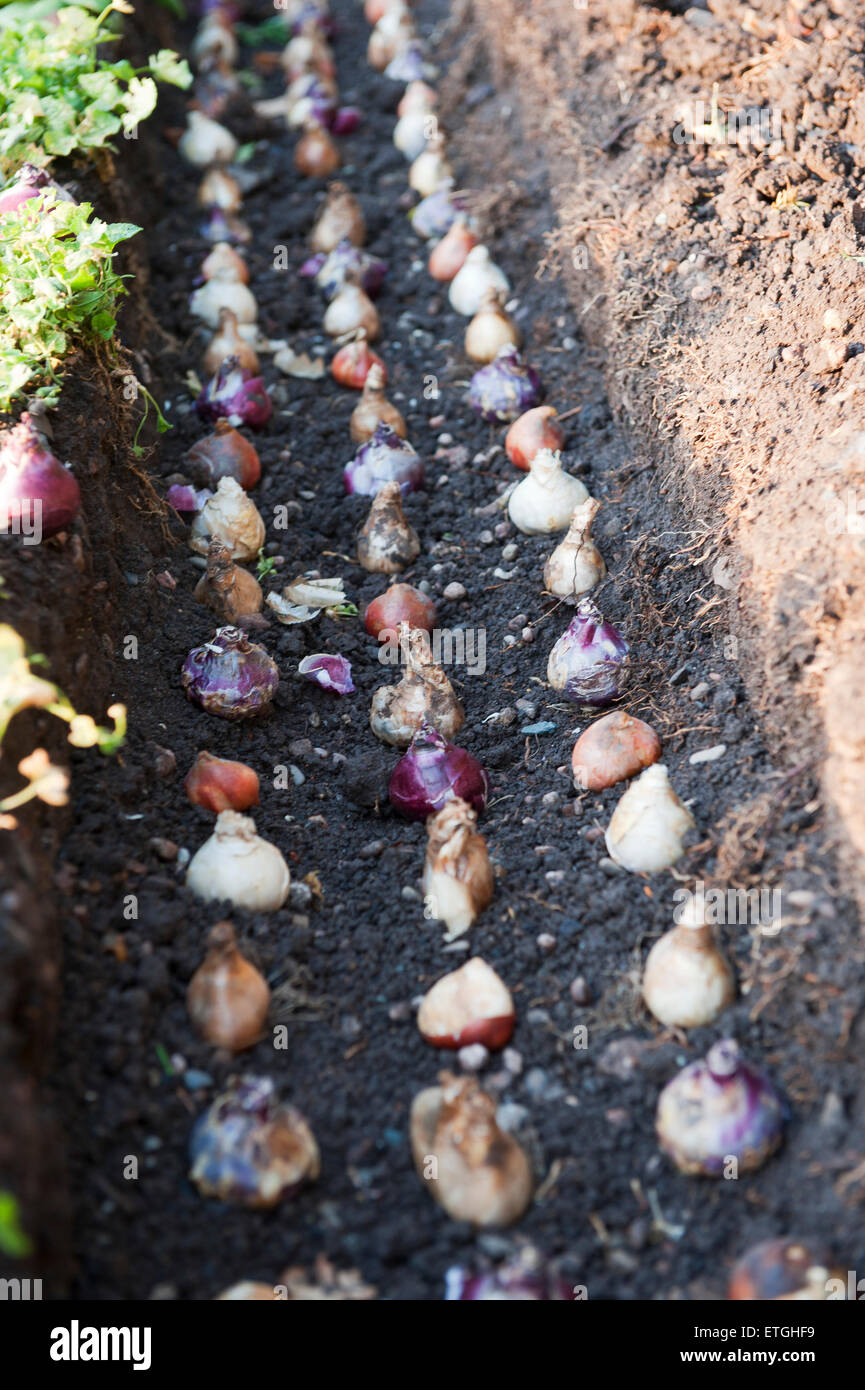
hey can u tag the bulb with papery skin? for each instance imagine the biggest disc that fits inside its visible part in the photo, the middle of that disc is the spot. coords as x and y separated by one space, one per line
353 363
576 565
237 865
225 454
449 255
687 980
482 1173
231 517
347 261
229 590
340 219
647 830
218 784
470 1005
230 676
235 395
717 1112
434 216
587 663
374 409
458 876
478 274
38 496
424 695
611 750
434 771
544 501
524 1278
387 542
228 341
490 331
251 1149
537 429
385 458
786 1270
227 999
401 603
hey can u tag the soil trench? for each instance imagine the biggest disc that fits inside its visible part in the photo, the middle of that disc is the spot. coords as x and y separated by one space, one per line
352 949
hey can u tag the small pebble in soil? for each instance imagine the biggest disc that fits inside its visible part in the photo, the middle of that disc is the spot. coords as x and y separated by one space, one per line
526 706
400 1013
550 799
486 538
513 1060
580 992
699 691
454 592
195 1080
528 634
409 894
709 755
511 1116
297 776
510 551
300 895
609 867
473 1057
545 940
164 849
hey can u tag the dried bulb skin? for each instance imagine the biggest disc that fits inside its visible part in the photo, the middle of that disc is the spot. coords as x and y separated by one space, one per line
470 1005
387 543
423 696
373 408
218 784
458 876
576 565
340 219
687 981
783 1271
611 750
228 998
226 588
251 1149
483 1174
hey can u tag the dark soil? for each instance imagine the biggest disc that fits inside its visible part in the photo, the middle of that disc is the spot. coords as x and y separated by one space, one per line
346 966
